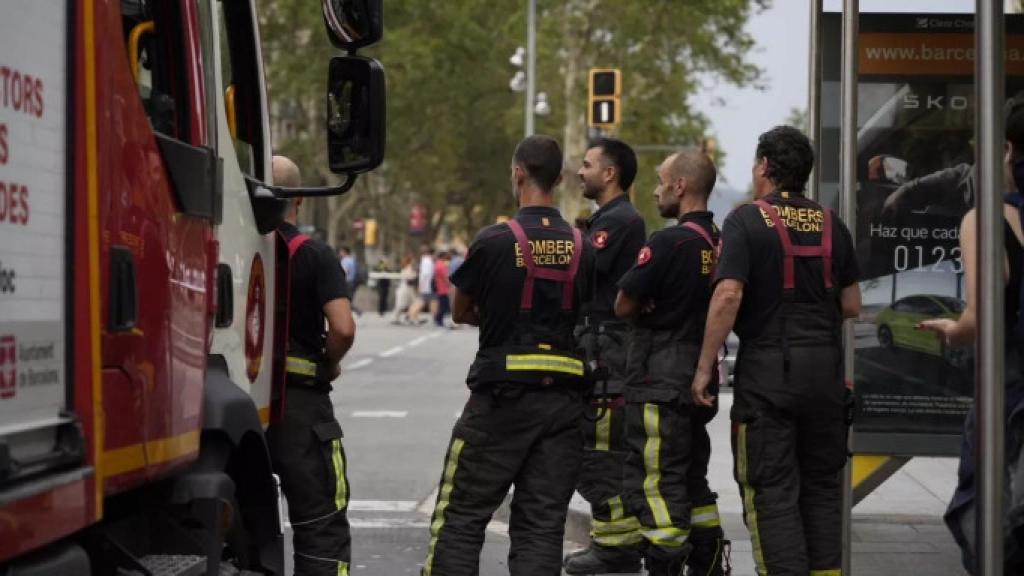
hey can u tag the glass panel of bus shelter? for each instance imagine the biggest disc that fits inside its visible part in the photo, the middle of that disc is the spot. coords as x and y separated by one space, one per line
915 181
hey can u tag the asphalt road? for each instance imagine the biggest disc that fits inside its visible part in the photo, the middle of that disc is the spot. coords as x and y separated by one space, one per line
400 392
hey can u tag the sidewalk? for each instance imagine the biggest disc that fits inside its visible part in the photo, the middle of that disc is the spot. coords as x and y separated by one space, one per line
897 530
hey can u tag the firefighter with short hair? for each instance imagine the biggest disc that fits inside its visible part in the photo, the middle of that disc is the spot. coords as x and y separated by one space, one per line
665 296
617 232
306 441
787 278
522 283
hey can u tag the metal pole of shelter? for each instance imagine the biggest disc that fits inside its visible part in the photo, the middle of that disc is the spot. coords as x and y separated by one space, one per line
531 64
848 212
989 402
814 94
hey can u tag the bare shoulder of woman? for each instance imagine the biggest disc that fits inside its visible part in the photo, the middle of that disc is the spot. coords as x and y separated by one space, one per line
1012 215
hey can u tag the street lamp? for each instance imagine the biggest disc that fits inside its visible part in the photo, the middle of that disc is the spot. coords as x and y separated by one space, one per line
541 106
526 80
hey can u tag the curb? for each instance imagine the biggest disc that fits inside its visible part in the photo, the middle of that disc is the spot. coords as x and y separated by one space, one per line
577 522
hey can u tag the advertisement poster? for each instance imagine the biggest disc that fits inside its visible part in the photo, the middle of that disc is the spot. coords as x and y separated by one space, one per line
915 183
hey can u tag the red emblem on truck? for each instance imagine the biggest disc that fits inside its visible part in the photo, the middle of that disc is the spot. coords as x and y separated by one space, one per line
8 368
255 306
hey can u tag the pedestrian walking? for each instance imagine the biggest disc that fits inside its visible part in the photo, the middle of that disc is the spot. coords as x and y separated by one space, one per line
617 233
441 289
406 292
786 279
522 283
306 442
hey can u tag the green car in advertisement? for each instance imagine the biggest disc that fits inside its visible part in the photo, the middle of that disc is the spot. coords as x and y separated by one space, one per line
897 324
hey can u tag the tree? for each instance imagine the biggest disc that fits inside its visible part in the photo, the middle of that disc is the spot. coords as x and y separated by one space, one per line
452 120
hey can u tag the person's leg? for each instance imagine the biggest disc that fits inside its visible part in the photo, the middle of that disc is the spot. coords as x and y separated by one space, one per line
545 483
766 468
307 453
615 533
658 435
706 534
485 452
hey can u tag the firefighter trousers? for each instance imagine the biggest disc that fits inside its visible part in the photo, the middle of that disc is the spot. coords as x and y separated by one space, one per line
526 437
307 453
789 443
665 480
600 483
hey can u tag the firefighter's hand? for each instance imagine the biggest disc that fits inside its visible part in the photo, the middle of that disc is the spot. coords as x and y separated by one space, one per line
335 371
699 389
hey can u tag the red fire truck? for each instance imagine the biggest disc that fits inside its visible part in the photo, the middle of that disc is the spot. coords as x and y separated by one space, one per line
140 352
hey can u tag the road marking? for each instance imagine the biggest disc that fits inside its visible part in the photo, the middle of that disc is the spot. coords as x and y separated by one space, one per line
359 364
392 351
419 341
388 523
380 414
382 505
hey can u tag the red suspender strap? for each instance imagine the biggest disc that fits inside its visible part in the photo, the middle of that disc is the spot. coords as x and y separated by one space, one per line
569 286
715 248
293 246
788 276
566 277
526 300
789 251
700 232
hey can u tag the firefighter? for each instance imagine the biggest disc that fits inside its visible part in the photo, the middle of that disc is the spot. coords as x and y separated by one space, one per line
306 442
522 283
787 278
666 295
617 233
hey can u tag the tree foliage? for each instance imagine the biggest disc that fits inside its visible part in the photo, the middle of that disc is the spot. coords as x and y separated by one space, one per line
453 121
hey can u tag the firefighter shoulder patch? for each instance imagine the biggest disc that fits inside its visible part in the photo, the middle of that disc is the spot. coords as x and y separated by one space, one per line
644 256
600 239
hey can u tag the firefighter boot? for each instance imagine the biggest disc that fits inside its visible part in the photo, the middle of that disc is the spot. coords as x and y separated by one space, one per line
709 558
599 559
664 566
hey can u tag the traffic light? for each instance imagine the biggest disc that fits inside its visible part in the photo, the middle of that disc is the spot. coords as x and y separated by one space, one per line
370 232
605 110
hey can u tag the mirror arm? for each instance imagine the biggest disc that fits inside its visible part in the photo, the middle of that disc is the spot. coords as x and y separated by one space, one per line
259 189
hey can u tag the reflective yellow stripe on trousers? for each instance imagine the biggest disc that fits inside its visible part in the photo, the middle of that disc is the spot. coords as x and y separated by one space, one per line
340 485
748 499
705 517
832 572
603 431
300 366
663 533
545 363
443 498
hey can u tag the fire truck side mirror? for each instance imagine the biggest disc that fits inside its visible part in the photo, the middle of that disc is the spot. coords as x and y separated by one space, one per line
352 24
356 114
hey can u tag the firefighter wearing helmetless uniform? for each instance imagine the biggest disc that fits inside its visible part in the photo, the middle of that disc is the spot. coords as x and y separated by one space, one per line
522 283
787 277
665 296
617 232
305 441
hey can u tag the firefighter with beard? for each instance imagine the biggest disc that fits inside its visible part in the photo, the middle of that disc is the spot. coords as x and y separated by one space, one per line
617 232
787 278
522 283
665 296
